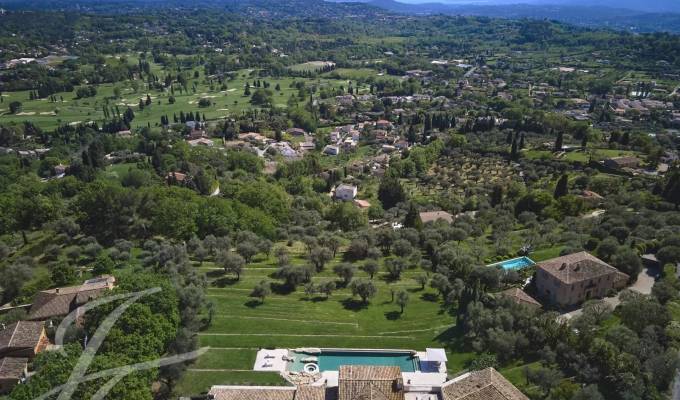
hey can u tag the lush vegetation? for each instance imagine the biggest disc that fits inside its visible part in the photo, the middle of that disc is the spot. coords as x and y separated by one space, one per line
507 131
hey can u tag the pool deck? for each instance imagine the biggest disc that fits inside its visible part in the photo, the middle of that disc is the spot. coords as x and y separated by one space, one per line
430 377
269 360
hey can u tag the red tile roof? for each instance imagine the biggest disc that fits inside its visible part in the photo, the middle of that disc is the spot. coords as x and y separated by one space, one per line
577 267
486 384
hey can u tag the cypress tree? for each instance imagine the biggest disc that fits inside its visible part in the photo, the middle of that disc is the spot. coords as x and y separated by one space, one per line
412 219
559 141
562 188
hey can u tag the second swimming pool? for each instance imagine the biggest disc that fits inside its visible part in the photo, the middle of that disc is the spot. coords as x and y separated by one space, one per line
515 263
331 360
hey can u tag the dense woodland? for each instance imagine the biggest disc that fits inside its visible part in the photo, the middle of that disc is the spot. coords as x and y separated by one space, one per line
114 106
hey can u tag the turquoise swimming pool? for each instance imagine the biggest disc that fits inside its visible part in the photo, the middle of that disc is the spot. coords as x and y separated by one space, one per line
515 263
331 360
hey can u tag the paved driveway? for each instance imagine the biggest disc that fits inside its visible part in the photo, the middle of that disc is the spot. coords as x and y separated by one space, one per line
643 285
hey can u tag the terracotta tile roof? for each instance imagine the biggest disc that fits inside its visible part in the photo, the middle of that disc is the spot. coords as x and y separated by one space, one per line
177 176
519 296
61 301
577 267
486 384
362 203
360 382
252 393
47 305
592 195
310 393
12 368
22 335
431 216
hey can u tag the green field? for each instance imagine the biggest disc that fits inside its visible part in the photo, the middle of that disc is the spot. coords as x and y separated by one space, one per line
309 66
229 102
241 325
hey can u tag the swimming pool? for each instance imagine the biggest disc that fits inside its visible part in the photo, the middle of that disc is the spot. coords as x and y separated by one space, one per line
331 360
515 263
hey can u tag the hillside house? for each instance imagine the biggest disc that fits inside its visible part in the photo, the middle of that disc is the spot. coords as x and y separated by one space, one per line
331 150
205 142
296 132
173 178
383 124
432 216
61 301
574 278
19 343
345 192
486 384
622 162
519 296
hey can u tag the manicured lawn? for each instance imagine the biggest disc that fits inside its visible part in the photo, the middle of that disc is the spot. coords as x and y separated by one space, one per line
230 101
205 379
516 373
308 66
242 325
546 254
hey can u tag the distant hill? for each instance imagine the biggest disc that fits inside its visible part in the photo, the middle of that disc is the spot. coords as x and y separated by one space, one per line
607 13
261 8
628 15
653 6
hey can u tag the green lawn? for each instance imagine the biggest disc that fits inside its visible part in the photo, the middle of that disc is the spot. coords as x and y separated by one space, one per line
118 171
241 325
231 101
516 373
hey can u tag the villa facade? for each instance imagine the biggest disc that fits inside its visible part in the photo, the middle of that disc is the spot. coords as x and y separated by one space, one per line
574 278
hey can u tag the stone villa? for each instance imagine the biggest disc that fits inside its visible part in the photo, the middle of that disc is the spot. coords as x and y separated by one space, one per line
574 278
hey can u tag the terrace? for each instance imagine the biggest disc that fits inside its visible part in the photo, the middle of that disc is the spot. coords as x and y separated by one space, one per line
422 371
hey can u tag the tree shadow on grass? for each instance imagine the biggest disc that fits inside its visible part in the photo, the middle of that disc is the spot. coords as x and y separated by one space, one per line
431 297
314 299
225 281
282 288
353 304
214 273
415 290
387 278
253 303
392 315
452 336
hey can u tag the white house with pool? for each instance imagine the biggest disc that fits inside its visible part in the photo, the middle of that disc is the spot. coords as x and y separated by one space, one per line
361 374
422 371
